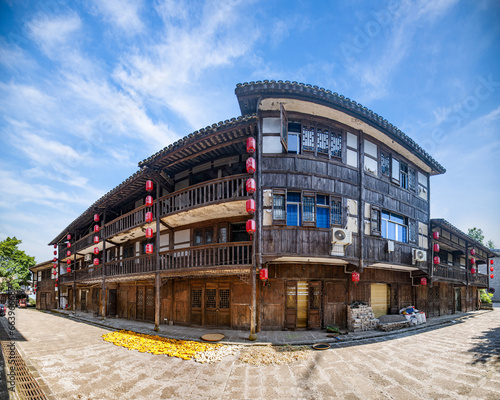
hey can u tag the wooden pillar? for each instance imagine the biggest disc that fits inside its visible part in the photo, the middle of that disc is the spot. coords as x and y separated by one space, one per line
361 203
103 287
157 254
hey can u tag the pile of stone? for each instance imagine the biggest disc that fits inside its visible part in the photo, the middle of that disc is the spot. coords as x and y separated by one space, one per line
389 323
360 318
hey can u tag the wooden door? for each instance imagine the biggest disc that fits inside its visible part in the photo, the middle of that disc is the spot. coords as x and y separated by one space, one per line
83 302
150 304
197 305
291 305
433 300
314 311
380 299
302 304
218 304
335 304
43 301
112 302
458 300
139 311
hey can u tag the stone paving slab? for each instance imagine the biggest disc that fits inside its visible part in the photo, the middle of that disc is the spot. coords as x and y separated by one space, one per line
289 337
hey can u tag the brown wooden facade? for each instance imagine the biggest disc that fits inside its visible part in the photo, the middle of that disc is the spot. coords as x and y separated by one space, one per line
324 163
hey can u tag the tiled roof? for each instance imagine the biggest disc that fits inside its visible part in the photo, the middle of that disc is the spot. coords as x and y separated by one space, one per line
270 88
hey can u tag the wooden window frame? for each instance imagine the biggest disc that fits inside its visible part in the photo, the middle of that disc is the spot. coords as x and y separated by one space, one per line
313 196
376 225
279 192
332 200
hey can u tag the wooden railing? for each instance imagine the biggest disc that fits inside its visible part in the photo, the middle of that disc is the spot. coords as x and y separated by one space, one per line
81 274
447 272
128 221
82 243
132 265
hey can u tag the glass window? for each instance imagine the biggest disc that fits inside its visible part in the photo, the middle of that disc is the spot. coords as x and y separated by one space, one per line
336 144
394 227
308 209
403 176
293 209
322 211
293 143
336 212
385 165
198 237
323 140
279 207
308 138
223 235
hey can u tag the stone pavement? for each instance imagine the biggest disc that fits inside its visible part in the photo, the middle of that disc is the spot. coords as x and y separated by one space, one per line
298 337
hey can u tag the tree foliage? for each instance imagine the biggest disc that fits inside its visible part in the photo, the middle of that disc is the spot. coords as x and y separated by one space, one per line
14 264
490 244
476 234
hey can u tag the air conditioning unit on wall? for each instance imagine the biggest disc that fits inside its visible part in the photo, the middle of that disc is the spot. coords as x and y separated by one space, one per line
88 257
341 236
419 255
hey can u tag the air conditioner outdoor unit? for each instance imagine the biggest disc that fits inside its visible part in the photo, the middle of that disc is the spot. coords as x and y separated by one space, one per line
419 255
88 257
341 236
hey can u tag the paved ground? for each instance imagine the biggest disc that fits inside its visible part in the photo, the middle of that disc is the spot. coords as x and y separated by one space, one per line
456 361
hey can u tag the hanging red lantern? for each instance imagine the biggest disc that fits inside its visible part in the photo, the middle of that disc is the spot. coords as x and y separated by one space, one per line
435 235
56 285
264 274
68 270
55 252
149 249
436 247
34 291
251 226
149 186
250 206
491 261
251 165
472 260
251 145
96 239
473 270
355 277
96 228
492 269
54 266
149 233
437 260
423 281
149 201
492 276
68 245
96 218
68 237
251 186
96 250
54 273
472 252
96 261
68 253
55 246
68 261
55 259
149 216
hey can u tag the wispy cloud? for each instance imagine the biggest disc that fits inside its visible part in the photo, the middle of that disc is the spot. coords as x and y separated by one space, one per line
123 14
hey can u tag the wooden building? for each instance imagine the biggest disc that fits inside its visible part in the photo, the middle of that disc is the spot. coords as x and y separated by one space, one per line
44 286
339 191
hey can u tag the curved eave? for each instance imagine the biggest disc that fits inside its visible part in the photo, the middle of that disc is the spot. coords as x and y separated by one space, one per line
249 94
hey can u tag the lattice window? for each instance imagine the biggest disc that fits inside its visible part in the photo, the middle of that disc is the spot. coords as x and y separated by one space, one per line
314 298
308 209
336 144
336 211
307 138
210 300
403 176
196 298
150 298
224 298
323 140
385 163
140 297
291 297
412 179
412 231
279 207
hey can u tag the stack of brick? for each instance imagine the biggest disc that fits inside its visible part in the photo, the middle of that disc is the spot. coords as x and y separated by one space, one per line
361 318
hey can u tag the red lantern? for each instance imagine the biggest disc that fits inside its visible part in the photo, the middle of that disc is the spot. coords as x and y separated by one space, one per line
436 247
473 270
96 217
96 261
54 273
492 276
55 252
251 186
251 165
55 259
423 281
96 250
96 239
472 260
149 216
355 277
149 201
55 246
68 245
96 228
54 266
435 235
149 186
250 206
149 249
491 261
251 226
68 253
68 270
56 285
472 252
68 261
149 233
251 146
437 260
68 237
492 269
264 274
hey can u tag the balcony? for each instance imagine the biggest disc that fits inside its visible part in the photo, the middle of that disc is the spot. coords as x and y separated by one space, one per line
213 259
459 275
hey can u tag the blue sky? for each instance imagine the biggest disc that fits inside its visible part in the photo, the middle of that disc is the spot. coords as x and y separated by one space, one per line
90 88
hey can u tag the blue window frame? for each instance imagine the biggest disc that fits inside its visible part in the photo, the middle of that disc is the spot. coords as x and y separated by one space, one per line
394 227
322 211
293 209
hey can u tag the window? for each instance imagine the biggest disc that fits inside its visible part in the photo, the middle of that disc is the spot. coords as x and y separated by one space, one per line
308 138
375 221
322 211
293 209
324 138
308 209
322 135
203 236
412 180
336 144
128 251
395 170
336 211
385 163
403 176
294 129
394 227
279 210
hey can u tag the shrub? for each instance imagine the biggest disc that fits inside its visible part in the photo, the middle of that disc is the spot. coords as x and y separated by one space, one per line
485 297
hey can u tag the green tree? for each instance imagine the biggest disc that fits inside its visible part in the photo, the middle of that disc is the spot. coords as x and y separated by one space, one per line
14 264
490 244
476 234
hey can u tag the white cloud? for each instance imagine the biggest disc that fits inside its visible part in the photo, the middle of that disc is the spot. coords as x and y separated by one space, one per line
124 14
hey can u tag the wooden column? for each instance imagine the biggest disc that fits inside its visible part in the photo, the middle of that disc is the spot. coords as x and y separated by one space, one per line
157 254
361 204
103 287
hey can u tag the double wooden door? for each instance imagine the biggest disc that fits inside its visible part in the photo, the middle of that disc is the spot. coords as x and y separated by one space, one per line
303 305
145 303
211 304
